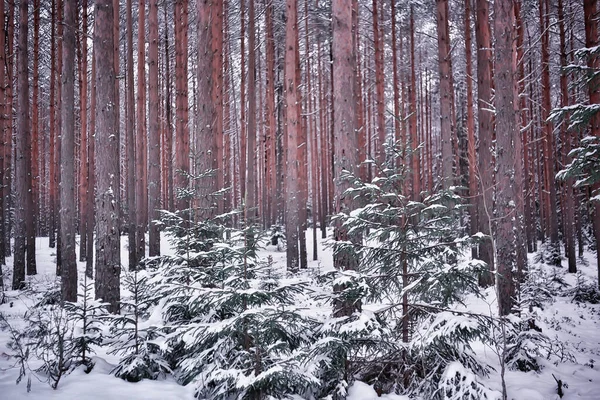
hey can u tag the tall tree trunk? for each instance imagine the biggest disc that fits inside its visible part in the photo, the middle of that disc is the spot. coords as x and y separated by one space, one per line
344 134
379 89
412 120
506 103
568 205
271 127
132 230
83 146
168 147
206 138
293 127
591 40
217 96
35 119
141 150
108 254
486 126
447 121
182 133
549 148
251 205
52 110
4 126
471 153
22 162
153 133
67 155
91 195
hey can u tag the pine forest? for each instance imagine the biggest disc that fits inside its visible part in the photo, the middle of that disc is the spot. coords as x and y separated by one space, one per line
300 199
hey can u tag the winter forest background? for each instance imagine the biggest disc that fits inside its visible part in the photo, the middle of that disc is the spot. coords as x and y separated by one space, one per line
306 199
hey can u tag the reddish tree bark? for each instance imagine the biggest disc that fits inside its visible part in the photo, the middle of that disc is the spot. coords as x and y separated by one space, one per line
108 254
83 146
141 150
485 173
132 190
447 121
412 120
293 127
379 89
67 155
506 103
154 204
344 134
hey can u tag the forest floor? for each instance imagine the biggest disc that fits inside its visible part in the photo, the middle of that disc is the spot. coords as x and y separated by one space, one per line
573 327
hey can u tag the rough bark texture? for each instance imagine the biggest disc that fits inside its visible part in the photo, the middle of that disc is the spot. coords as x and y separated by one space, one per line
591 40
206 145
141 149
4 123
471 154
344 129
154 203
549 147
485 170
83 134
22 172
67 155
505 80
182 133
217 96
379 89
447 123
412 120
251 203
108 255
292 119
132 230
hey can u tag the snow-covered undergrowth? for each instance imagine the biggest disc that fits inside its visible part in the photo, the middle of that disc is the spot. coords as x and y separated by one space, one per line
289 326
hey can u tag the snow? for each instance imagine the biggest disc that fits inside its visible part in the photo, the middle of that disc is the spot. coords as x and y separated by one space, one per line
577 326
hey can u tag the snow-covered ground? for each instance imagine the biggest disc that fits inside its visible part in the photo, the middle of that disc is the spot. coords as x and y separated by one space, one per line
576 326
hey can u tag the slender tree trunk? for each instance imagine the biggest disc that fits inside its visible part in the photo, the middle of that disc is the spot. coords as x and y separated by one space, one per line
549 148
108 255
35 120
91 195
67 155
83 146
217 95
168 148
447 123
153 133
293 127
132 230
412 120
345 138
591 40
141 151
271 127
506 116
379 89
22 162
182 133
243 135
52 110
472 155
251 205
4 126
485 173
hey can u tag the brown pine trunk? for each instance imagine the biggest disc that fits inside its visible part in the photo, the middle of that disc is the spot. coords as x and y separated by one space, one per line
4 126
67 155
412 120
35 117
486 127
396 82
91 194
182 133
141 152
243 136
271 127
217 95
591 40
447 123
568 193
506 104
108 254
154 204
548 145
293 128
168 145
379 92
471 152
131 194
206 138
251 204
23 153
83 146
344 134
323 177
52 110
